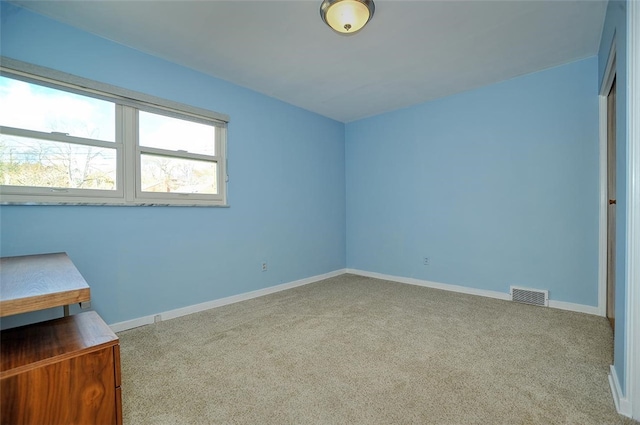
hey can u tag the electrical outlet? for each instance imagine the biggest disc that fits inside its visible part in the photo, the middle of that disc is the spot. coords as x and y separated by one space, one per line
426 261
264 266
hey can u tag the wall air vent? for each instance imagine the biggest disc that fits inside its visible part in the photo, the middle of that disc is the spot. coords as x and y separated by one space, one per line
529 296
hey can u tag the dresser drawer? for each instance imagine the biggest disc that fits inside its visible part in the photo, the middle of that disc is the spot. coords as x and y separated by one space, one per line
63 371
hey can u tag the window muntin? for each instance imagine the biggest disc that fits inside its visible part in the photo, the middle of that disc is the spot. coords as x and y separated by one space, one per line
136 135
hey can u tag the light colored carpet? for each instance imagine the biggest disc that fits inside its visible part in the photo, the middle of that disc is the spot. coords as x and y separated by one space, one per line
356 350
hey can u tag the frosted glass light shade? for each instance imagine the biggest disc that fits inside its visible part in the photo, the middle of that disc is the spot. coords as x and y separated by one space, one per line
347 16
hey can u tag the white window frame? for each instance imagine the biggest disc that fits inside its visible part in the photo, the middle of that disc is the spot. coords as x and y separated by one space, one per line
128 150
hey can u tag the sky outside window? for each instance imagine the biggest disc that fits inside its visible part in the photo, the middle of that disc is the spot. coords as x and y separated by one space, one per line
39 108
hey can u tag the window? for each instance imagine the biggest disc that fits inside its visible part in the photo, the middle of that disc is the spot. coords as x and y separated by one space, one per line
64 139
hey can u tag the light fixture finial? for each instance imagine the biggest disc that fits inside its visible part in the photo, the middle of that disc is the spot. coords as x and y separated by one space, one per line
347 16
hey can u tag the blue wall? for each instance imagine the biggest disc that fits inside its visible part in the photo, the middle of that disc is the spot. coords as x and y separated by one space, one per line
498 186
615 31
286 190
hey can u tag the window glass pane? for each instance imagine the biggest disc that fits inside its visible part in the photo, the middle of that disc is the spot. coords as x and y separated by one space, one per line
177 175
42 163
158 131
33 107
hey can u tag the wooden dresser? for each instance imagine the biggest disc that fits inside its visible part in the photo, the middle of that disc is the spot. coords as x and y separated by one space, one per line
61 371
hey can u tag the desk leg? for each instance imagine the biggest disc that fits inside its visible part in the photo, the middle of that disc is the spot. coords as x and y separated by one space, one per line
65 309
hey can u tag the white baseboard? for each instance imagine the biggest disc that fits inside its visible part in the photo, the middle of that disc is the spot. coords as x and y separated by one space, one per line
622 404
133 323
580 308
429 284
472 291
172 314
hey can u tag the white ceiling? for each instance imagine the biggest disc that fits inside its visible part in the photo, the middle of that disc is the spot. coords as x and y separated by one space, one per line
410 52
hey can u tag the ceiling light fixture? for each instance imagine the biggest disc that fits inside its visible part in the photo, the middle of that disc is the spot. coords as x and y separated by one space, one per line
347 16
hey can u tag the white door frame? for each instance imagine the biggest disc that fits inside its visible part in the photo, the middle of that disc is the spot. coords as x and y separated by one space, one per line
628 398
632 316
609 73
618 393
